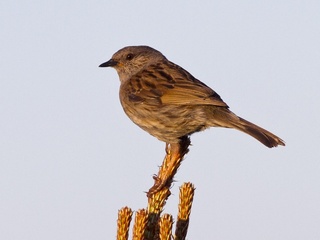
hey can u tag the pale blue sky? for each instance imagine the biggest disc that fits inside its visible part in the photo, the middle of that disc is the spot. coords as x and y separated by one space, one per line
70 158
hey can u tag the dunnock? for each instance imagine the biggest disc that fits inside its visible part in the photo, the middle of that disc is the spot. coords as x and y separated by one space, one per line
169 103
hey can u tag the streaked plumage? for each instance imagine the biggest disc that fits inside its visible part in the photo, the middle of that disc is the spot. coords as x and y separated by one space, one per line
169 103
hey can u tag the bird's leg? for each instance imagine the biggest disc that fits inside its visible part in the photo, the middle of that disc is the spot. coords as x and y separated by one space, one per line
174 156
167 148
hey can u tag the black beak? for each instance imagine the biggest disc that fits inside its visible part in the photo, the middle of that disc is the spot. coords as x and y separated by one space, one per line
110 63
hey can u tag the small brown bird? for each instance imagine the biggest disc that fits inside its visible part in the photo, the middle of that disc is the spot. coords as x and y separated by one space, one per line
169 103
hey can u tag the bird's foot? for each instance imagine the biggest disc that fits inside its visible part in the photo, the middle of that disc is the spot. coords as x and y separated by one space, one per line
158 185
174 155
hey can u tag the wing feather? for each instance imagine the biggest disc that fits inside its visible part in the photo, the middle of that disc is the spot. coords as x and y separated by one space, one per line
168 83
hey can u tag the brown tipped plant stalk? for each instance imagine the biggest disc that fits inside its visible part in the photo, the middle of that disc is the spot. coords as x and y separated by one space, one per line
140 224
124 219
185 204
165 225
149 224
160 191
171 163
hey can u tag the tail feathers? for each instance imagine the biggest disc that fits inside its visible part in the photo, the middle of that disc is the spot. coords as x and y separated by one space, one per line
223 117
262 135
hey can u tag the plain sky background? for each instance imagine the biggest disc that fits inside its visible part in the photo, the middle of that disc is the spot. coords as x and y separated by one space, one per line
70 157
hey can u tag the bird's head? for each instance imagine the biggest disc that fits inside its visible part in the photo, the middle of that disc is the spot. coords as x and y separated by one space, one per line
129 61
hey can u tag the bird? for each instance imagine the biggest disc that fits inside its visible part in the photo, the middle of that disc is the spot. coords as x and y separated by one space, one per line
169 103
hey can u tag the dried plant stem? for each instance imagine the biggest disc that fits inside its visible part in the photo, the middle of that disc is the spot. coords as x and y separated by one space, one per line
159 193
170 165
156 203
124 219
165 223
149 225
140 224
184 210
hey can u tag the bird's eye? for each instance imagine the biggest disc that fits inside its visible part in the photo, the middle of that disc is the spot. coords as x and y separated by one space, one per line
129 56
